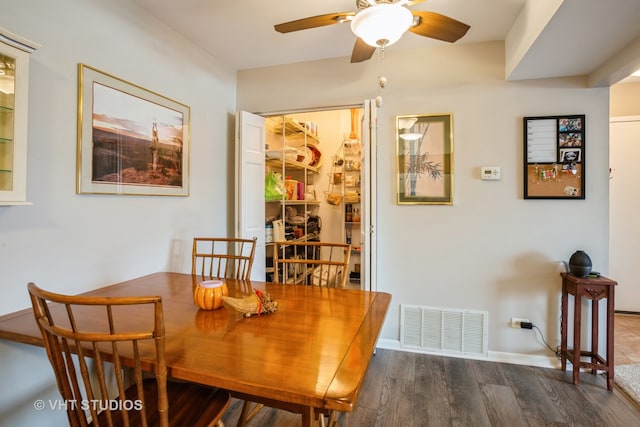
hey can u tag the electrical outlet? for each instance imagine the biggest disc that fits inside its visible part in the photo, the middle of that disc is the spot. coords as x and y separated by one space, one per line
515 322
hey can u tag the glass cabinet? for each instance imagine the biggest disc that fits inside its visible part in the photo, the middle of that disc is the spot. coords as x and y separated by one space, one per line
14 75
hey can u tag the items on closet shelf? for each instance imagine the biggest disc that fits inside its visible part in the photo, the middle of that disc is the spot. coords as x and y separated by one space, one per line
334 193
273 186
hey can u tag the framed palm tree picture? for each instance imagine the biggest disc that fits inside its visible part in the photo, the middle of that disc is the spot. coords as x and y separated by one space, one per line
424 159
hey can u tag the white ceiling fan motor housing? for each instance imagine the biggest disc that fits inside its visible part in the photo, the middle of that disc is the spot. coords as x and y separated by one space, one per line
382 25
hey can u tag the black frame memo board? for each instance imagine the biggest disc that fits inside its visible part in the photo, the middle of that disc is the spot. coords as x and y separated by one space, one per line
554 157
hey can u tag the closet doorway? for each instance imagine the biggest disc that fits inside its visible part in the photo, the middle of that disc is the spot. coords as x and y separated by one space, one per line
347 168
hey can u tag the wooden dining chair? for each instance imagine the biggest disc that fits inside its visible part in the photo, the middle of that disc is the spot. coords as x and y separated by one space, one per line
99 348
306 263
311 263
223 257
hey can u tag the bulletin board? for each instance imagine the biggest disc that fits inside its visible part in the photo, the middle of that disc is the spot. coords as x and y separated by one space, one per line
554 157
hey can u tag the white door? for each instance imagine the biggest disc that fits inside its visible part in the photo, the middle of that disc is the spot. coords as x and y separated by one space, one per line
250 155
624 197
368 196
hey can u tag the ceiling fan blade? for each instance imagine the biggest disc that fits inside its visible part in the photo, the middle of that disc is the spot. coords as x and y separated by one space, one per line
314 22
361 51
437 26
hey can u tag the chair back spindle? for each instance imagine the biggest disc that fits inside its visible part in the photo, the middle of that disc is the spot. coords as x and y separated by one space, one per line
224 258
311 263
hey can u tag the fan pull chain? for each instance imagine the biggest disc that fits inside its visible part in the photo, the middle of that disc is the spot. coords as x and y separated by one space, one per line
382 80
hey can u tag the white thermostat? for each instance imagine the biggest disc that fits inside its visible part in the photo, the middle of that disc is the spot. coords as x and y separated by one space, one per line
490 172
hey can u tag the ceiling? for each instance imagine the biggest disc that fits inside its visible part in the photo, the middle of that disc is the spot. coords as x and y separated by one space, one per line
577 40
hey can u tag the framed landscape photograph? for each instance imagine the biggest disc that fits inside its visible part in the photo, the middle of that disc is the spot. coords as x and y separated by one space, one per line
424 159
131 141
554 148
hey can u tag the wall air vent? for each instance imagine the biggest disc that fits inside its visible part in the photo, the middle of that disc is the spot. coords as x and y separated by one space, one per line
444 330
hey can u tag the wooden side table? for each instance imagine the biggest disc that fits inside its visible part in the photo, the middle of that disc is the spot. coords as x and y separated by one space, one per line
593 289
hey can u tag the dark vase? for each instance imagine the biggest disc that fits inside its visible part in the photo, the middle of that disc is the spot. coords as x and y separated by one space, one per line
580 264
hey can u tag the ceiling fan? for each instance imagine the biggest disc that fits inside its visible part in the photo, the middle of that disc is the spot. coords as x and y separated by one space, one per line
380 23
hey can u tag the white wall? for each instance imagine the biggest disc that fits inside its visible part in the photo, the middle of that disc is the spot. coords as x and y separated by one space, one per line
624 100
71 243
492 250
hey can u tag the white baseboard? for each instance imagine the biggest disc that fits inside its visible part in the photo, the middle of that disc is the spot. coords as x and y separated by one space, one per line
493 356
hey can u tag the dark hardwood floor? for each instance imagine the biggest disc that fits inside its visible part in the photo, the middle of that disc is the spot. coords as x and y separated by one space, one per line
410 389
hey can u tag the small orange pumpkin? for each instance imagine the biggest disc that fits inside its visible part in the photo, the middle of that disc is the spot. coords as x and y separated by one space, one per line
208 294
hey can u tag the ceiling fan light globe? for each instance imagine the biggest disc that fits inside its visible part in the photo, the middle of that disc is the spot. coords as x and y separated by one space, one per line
382 24
410 136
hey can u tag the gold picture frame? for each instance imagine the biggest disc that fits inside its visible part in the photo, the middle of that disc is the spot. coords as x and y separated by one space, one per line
424 159
131 141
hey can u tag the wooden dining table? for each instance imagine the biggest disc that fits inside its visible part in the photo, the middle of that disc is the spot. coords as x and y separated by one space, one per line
308 357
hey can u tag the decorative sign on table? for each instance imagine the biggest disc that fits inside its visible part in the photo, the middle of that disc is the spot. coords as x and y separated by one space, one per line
554 157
